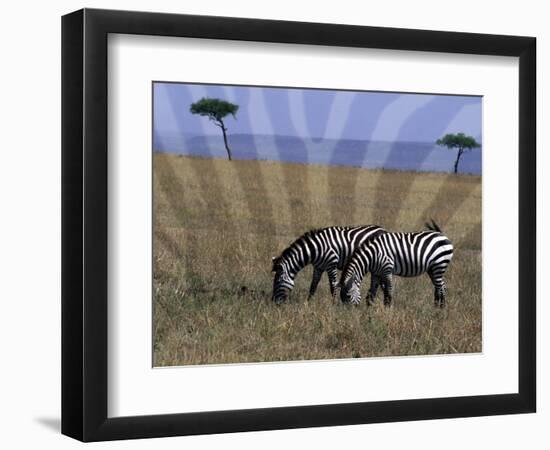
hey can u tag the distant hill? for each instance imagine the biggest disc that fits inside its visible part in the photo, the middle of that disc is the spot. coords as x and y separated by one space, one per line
419 156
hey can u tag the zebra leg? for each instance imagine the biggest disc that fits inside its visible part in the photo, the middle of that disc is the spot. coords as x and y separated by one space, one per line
317 274
439 288
387 286
333 280
371 294
440 296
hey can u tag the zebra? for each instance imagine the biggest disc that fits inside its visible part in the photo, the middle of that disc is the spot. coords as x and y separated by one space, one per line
327 249
403 254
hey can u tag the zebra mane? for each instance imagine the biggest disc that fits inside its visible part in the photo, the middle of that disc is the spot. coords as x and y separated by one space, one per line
311 233
308 234
286 252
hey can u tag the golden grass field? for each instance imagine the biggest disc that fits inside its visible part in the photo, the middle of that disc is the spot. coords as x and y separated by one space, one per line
217 223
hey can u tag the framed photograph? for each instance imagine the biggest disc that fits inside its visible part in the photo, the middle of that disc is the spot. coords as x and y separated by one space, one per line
272 224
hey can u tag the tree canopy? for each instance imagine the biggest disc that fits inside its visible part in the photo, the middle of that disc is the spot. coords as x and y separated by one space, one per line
459 141
214 108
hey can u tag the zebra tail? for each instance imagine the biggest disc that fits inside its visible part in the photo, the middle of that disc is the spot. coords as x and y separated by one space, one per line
433 226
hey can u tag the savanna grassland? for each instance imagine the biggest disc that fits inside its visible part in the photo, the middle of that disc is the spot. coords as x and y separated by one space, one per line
217 223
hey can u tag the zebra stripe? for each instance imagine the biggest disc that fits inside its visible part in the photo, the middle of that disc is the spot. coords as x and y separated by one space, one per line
327 249
402 254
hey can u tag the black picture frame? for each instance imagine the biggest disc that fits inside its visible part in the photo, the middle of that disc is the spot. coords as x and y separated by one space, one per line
84 224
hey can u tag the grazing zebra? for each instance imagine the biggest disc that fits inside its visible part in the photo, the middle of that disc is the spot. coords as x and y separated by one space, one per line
327 249
403 254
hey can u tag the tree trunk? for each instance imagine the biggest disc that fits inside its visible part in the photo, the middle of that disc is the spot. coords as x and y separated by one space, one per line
225 140
460 150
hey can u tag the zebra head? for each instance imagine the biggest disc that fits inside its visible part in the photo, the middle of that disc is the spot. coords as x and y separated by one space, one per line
283 282
350 292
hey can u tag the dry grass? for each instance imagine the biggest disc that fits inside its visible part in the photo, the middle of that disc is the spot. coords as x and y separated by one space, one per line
217 224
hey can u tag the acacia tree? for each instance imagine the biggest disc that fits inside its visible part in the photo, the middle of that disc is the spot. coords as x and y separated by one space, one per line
216 110
459 141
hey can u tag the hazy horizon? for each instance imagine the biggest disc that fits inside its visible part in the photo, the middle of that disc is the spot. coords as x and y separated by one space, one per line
217 135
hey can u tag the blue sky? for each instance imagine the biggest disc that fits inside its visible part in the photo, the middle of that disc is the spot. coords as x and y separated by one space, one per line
320 113
315 114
